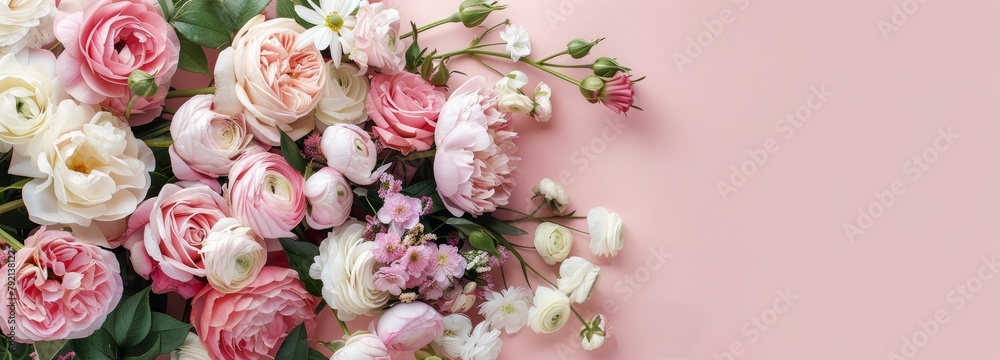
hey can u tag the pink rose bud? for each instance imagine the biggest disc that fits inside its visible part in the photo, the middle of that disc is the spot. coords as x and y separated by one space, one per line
408 327
330 199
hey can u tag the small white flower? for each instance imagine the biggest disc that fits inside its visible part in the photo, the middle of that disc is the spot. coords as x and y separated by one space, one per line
518 44
543 103
334 26
515 103
457 328
577 278
511 83
553 192
190 349
507 310
605 232
483 344
595 336
553 242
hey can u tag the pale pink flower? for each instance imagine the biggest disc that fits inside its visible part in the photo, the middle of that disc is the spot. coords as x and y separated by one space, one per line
330 199
433 289
387 184
265 193
407 327
405 109
376 39
362 347
388 248
401 212
351 151
417 260
391 278
447 263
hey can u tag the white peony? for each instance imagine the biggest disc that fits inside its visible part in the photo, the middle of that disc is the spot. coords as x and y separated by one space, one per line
553 192
26 23
605 232
232 255
483 344
346 266
553 242
457 328
190 349
507 310
343 98
87 166
518 44
550 312
577 278
28 92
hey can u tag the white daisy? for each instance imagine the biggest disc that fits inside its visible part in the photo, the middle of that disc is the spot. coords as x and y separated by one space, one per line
518 44
508 309
483 344
334 20
457 328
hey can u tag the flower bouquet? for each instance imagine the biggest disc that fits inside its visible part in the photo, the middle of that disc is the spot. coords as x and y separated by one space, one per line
334 163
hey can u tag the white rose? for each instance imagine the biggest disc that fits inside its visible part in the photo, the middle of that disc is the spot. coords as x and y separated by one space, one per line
346 267
190 349
330 199
232 255
343 98
543 103
553 192
515 103
594 337
577 278
26 23
550 312
605 232
27 91
483 344
457 328
553 242
86 166
511 83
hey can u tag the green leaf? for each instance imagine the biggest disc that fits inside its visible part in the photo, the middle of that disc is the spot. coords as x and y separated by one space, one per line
48 349
129 323
199 22
192 57
301 256
422 188
16 186
291 153
168 8
463 225
148 349
295 346
316 355
238 12
169 331
500 226
286 9
98 346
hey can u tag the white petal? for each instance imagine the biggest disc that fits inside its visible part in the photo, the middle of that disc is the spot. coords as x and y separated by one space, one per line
309 15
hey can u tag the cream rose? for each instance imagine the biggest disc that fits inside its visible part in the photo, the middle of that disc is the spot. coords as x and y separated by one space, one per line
27 90
346 267
605 232
87 165
343 98
26 23
278 84
550 311
232 255
553 242
577 278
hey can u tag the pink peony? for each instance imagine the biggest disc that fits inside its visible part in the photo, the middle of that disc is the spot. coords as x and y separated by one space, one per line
252 323
207 143
330 199
401 212
475 160
165 236
105 43
407 327
405 109
618 94
65 287
265 193
376 39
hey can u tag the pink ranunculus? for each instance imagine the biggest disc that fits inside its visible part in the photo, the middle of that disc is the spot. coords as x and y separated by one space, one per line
407 327
105 43
330 199
265 193
351 151
475 161
376 39
405 109
252 323
277 84
65 287
207 143
362 347
618 94
165 236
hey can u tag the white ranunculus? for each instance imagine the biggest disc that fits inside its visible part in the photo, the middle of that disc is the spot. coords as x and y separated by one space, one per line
483 344
515 103
550 312
518 44
577 278
346 267
513 82
553 242
232 255
351 151
553 192
343 98
605 231
86 166
26 23
28 92
330 199
593 338
457 328
543 103
190 349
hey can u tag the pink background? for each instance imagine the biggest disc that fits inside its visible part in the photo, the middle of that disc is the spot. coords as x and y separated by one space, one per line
782 228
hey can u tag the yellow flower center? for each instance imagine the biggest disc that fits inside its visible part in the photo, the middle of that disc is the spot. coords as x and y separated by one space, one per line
508 309
334 22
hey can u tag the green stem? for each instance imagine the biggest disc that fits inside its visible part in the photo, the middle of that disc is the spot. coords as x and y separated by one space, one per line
553 56
532 213
167 110
581 66
419 155
343 325
190 92
456 17
578 316
487 65
55 46
503 55
158 143
128 108
11 241
13 205
544 219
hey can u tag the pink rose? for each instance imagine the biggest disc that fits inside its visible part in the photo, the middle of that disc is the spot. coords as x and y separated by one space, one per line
165 236
252 323
330 199
407 327
65 287
376 39
405 109
265 193
207 143
105 43
362 347
351 151
475 161
277 84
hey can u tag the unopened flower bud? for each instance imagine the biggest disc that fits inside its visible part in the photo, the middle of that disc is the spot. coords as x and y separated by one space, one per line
474 12
607 67
578 48
142 84
435 72
591 88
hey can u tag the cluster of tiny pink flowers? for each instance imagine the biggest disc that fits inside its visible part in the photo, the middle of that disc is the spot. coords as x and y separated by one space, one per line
387 184
415 264
312 147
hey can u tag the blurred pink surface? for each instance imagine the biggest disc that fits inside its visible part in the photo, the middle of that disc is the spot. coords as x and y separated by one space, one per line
765 269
